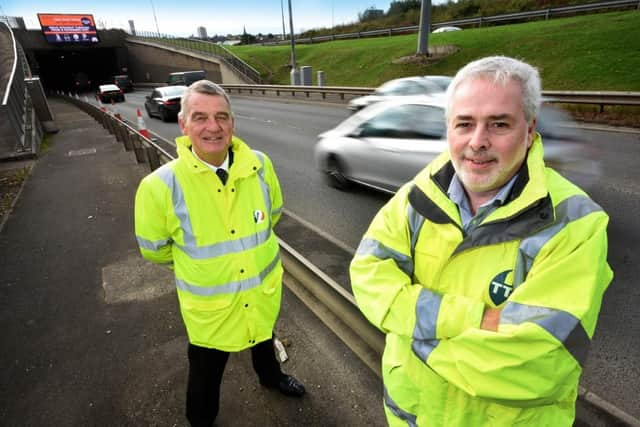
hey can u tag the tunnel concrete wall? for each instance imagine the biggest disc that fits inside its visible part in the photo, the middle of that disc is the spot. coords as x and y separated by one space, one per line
149 62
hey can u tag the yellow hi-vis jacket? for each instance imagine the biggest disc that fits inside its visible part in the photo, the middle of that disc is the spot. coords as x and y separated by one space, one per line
541 257
220 242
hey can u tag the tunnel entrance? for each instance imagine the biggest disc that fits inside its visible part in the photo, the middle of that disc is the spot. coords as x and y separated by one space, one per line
77 70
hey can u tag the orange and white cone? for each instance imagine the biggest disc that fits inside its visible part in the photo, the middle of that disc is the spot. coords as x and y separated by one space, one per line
142 128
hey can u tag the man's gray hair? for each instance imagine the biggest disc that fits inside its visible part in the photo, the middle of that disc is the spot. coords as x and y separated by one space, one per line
500 70
201 86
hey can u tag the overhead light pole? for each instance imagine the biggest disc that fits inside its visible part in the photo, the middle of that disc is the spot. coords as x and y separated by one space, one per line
154 17
293 42
282 10
425 28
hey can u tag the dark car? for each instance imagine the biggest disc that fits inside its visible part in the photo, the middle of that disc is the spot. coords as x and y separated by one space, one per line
123 82
185 78
164 102
110 92
81 82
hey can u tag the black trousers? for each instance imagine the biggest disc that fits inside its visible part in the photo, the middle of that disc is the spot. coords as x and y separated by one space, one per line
206 366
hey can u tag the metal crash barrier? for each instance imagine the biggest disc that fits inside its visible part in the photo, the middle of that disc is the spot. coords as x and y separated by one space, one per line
145 149
329 301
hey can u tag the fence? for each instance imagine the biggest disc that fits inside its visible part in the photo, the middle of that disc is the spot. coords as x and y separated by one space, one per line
145 150
599 98
477 21
20 128
327 299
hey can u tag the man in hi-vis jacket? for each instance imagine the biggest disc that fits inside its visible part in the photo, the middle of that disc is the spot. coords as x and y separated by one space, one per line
209 215
487 270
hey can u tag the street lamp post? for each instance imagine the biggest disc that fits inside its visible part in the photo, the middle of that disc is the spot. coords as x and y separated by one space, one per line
154 17
295 76
293 42
282 10
425 28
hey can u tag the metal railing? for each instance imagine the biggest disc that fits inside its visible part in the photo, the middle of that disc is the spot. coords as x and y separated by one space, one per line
145 150
476 21
327 299
20 130
202 47
323 91
600 98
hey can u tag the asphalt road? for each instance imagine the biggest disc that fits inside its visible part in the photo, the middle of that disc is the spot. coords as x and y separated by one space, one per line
287 131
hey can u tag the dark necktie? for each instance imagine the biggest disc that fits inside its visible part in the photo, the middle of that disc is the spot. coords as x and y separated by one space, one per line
223 175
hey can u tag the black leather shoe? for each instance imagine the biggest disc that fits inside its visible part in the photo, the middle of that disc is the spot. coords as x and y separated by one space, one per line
289 386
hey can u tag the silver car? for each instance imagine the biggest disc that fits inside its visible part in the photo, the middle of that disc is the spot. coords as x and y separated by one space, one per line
386 144
401 88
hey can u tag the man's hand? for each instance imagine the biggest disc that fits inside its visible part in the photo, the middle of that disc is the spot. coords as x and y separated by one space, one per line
490 319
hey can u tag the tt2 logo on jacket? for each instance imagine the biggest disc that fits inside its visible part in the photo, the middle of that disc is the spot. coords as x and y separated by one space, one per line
499 289
258 216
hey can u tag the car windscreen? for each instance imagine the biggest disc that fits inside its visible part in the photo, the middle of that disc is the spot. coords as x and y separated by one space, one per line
411 121
173 91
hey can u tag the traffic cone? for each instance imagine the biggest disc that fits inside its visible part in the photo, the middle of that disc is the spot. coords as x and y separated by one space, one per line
142 128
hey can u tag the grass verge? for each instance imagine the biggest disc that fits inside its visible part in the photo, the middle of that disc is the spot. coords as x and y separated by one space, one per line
588 52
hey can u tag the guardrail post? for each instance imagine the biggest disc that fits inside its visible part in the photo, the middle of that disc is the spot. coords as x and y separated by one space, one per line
152 157
321 82
138 149
127 142
110 127
119 128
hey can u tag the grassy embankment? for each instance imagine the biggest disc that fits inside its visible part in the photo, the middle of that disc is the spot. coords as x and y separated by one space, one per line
590 52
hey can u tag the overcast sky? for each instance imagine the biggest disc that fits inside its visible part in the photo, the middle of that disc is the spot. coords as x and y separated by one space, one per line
182 17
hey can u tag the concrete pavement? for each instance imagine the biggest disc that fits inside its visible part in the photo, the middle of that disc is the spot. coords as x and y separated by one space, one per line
92 334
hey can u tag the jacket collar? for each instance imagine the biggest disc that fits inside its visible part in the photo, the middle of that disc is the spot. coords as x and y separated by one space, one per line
245 162
529 187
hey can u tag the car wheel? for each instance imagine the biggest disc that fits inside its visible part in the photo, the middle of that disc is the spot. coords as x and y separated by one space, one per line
334 174
146 108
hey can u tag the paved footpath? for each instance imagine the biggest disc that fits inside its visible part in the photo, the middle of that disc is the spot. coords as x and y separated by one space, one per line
91 333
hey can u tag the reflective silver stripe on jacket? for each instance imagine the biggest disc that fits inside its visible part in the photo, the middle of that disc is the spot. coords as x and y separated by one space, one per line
152 246
427 309
378 250
565 327
409 418
571 209
424 333
190 247
231 287
263 186
423 348
415 221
